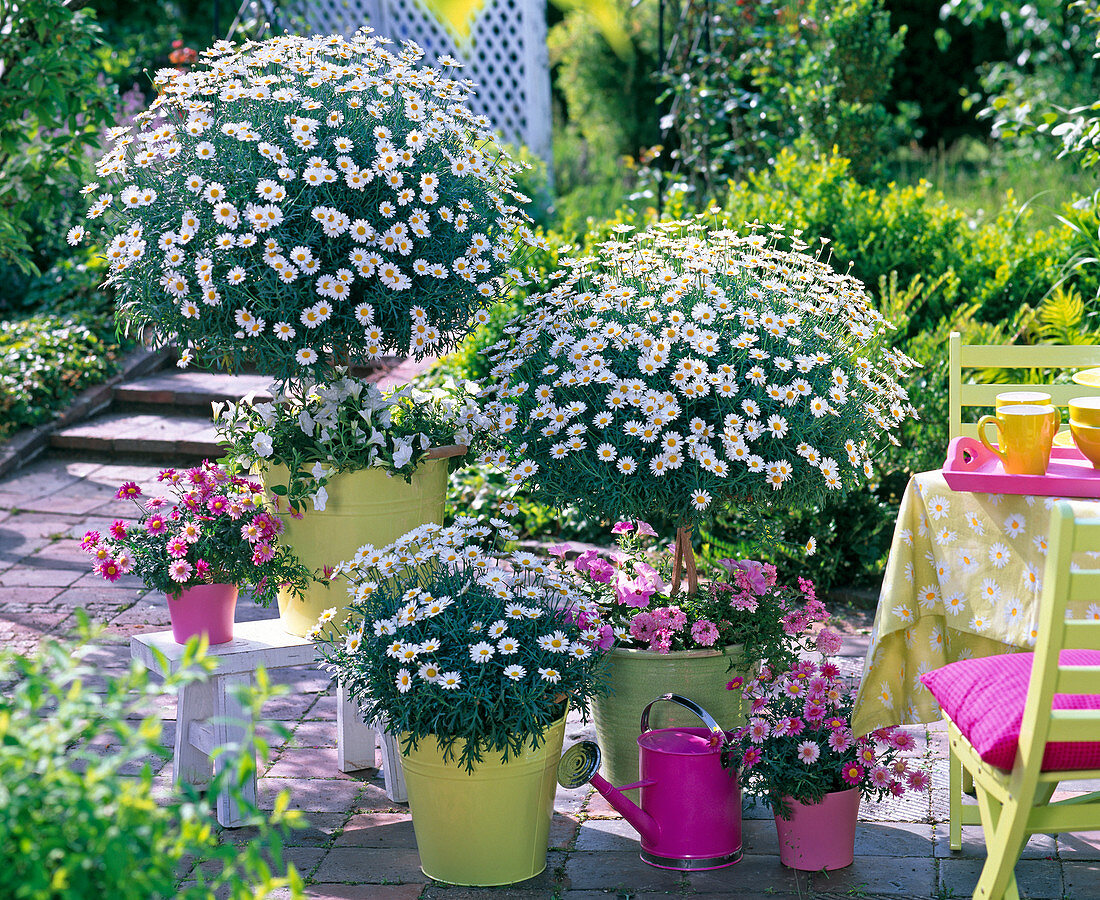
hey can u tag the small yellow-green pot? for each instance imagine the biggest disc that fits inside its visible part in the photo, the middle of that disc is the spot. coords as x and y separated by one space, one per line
364 507
638 676
490 827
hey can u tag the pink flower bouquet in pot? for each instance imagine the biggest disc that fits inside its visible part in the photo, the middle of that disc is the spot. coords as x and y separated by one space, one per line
211 536
799 755
693 644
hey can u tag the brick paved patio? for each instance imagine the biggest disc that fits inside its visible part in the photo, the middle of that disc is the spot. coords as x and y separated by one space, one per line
359 845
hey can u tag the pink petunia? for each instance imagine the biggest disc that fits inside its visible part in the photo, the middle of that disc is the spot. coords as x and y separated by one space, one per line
645 529
622 527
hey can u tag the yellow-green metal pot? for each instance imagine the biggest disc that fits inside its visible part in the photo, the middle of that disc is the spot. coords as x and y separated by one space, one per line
638 676
364 507
490 827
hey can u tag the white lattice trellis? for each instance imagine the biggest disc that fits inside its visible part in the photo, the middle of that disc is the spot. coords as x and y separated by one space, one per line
506 54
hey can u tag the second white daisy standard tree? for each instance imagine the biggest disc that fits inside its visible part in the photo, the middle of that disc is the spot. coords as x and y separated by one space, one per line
303 205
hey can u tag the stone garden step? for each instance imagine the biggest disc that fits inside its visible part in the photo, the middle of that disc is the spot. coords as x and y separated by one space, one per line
194 390
129 433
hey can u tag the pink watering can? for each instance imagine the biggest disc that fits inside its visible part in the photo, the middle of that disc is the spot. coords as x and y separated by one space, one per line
690 813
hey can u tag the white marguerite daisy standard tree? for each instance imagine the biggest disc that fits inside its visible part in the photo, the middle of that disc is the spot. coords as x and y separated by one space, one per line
301 203
686 367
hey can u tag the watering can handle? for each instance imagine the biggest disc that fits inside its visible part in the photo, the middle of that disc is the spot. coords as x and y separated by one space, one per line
716 733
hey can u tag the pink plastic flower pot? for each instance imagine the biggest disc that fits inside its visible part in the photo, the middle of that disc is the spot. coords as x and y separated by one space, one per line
820 835
204 609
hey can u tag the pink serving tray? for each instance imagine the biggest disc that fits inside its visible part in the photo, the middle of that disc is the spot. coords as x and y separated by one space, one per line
971 467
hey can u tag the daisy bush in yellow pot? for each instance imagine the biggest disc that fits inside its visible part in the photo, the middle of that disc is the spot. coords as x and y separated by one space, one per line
685 367
304 202
453 639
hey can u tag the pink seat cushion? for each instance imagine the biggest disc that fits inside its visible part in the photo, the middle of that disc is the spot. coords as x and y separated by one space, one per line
985 699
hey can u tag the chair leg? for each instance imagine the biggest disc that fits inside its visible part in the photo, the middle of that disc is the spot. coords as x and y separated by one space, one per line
1005 835
954 800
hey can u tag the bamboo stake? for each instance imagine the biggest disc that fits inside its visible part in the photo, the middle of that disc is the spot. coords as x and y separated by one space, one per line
683 563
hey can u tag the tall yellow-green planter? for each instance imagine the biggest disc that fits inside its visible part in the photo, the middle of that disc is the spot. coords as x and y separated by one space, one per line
364 507
489 827
636 677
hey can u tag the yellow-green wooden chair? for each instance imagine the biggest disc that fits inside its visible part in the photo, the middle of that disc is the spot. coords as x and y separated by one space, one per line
964 396
983 699
964 360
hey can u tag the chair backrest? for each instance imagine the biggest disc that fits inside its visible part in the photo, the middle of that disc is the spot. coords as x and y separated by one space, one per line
1065 590
1011 356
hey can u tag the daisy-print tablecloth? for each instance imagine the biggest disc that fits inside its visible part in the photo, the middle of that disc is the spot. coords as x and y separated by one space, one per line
963 580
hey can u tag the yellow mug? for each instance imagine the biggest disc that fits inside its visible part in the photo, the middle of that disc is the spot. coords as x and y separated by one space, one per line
1026 432
1022 398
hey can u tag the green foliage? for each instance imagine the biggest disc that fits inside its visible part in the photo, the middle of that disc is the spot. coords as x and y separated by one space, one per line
45 361
610 100
748 80
911 231
51 111
447 648
78 813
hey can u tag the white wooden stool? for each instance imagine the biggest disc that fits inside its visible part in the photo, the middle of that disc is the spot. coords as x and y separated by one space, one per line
208 714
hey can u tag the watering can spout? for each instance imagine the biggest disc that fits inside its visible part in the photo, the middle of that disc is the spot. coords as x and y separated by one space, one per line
640 820
578 766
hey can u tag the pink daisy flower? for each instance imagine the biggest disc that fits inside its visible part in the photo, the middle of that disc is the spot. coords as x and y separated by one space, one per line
880 777
758 731
177 548
902 740
180 570
109 569
852 773
808 752
217 504
156 525
124 562
128 491
118 530
262 553
919 780
91 539
840 740
751 758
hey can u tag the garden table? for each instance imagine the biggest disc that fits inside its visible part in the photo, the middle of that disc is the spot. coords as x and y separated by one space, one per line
208 714
963 580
